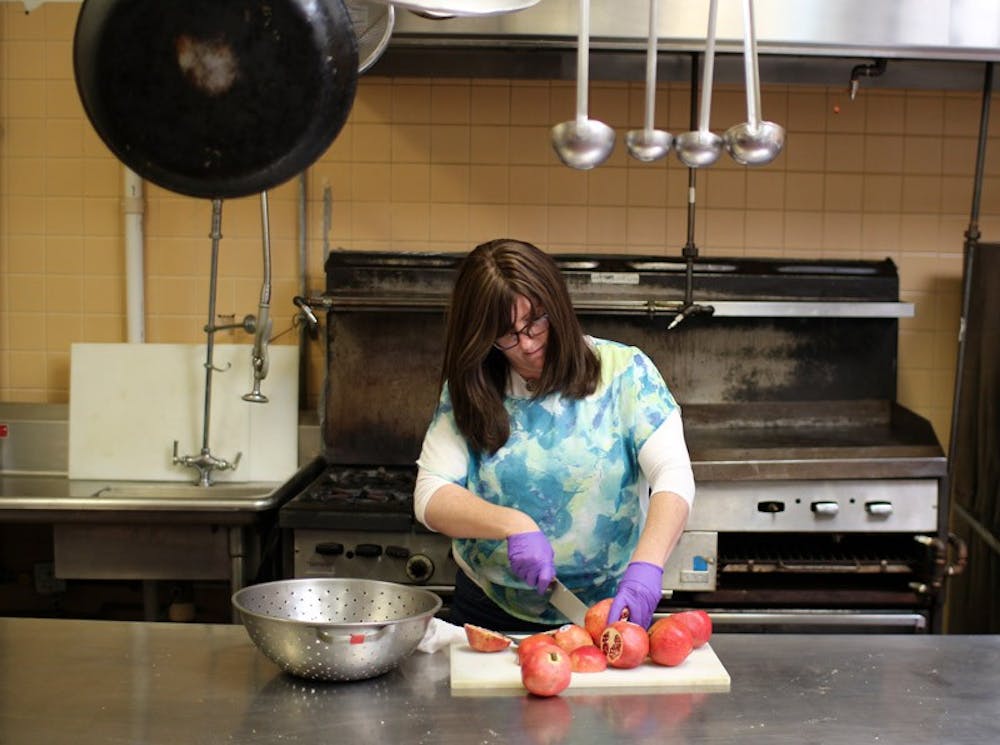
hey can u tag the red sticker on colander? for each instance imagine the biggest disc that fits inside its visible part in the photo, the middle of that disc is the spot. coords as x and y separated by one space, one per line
357 638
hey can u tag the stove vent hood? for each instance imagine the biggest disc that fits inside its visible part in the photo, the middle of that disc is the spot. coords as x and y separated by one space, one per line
799 40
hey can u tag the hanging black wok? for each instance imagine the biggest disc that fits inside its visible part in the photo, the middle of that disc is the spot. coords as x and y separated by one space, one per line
216 98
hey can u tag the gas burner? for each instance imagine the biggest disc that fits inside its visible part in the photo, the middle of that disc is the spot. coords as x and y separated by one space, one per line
364 488
356 497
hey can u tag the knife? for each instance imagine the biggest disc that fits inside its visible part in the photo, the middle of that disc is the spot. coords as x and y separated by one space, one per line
567 603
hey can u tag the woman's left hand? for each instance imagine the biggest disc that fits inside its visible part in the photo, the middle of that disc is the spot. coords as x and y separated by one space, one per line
640 590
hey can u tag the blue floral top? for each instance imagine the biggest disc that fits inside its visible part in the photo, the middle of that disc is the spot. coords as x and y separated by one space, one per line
572 465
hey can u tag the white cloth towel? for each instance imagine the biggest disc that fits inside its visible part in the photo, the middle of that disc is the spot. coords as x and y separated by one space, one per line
440 634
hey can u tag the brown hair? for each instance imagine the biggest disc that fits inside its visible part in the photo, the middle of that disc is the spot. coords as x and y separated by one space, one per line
489 280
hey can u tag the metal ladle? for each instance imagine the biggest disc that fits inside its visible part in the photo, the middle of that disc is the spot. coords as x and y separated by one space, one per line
583 143
754 142
648 144
701 147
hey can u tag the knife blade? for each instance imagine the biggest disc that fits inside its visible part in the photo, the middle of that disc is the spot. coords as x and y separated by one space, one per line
567 603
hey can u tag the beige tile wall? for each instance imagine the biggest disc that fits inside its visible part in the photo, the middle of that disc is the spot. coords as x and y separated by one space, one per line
444 164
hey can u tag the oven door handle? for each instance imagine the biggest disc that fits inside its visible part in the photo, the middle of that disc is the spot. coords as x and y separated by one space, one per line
812 621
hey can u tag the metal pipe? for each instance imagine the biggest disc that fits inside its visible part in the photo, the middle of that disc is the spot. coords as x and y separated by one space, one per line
305 332
303 232
216 236
205 462
134 208
259 357
984 125
971 241
690 249
692 177
873 70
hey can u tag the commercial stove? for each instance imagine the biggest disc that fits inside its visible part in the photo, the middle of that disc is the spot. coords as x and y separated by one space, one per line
821 501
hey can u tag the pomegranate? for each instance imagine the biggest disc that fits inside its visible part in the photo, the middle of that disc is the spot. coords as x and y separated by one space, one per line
698 622
485 640
535 640
546 670
625 644
670 642
571 636
588 659
596 619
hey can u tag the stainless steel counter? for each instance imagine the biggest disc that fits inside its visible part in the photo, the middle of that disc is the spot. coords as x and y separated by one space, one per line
116 682
43 493
148 531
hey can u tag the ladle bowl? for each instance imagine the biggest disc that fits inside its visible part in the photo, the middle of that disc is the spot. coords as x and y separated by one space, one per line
583 143
698 149
755 144
702 147
648 145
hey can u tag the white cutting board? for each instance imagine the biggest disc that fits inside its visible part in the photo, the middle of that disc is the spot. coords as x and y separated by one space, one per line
129 402
490 673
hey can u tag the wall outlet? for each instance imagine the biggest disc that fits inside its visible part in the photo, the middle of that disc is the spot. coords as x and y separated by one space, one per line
46 582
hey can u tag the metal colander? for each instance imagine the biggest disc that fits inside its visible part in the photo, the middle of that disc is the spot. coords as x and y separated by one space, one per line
335 629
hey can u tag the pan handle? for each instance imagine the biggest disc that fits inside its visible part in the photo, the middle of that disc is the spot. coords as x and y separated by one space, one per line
324 635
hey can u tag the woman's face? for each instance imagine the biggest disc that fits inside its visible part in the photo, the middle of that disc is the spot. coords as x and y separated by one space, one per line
527 357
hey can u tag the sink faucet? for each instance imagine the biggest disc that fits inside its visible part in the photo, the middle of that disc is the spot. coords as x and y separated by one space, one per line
205 462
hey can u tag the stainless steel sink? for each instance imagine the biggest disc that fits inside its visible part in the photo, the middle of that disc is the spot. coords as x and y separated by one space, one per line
160 490
20 492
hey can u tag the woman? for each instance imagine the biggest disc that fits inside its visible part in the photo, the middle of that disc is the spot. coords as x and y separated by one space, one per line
539 454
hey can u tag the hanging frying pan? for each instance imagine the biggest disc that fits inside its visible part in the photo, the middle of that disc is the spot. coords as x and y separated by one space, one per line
216 98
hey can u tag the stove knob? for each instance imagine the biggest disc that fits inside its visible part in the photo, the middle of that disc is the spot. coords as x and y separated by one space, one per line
369 550
419 568
397 552
329 548
825 508
879 508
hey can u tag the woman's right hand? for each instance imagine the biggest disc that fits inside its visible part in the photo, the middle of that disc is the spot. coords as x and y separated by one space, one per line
532 559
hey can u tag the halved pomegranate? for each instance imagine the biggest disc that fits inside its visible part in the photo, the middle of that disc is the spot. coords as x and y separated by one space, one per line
485 640
596 619
625 644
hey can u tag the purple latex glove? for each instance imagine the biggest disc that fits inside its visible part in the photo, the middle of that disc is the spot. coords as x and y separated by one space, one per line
531 559
640 590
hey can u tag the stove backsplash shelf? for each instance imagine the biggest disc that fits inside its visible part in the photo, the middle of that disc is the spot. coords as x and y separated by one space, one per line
618 285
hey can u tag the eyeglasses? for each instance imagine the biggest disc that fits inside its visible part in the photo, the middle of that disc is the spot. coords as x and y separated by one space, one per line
531 329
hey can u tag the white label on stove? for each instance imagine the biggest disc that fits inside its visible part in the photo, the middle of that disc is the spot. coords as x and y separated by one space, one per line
614 278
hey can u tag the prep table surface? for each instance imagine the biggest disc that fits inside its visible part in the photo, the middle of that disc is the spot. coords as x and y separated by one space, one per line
150 683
